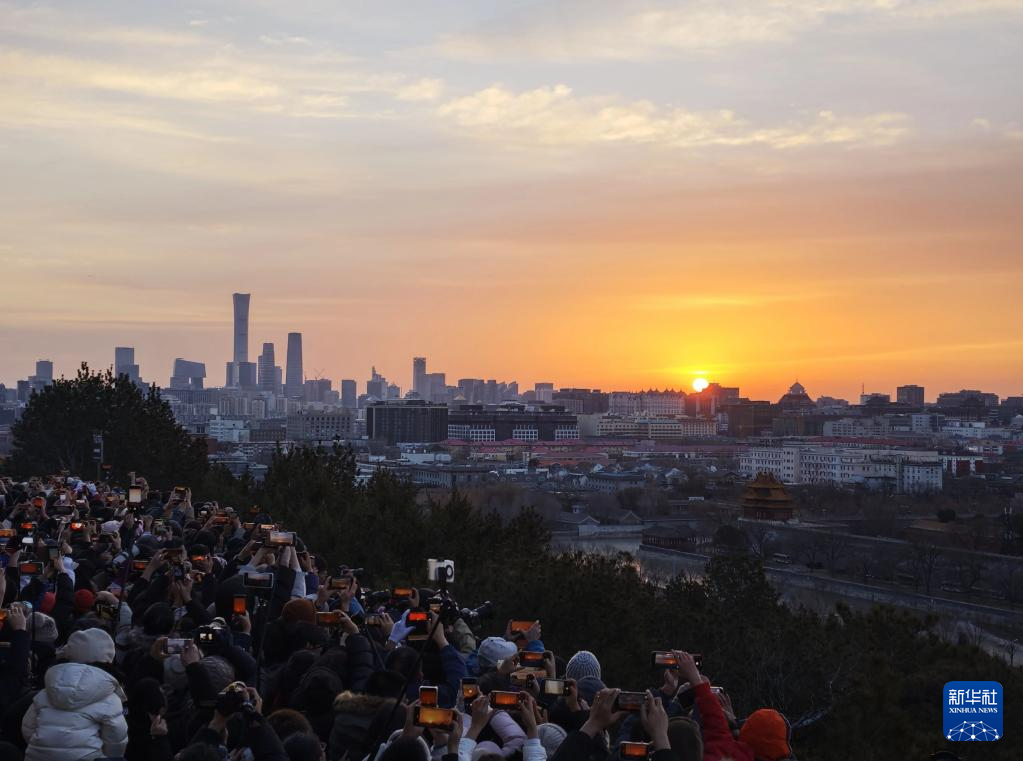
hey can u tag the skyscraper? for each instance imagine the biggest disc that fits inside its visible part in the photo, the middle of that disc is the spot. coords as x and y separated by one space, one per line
235 372
267 380
349 394
419 376
124 363
544 392
293 376
241 327
44 371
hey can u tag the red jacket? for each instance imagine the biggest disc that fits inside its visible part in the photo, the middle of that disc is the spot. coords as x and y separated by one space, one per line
718 742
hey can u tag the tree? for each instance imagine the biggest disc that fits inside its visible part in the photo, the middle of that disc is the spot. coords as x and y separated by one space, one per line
925 562
56 431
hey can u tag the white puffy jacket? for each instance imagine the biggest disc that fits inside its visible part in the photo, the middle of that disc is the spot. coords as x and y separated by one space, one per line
78 715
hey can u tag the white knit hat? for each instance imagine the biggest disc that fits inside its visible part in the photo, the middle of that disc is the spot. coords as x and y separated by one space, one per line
88 646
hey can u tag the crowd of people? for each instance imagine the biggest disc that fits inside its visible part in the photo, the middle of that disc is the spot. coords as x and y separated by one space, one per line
138 624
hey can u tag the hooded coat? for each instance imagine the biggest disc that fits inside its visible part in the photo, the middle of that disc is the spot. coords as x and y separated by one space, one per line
79 714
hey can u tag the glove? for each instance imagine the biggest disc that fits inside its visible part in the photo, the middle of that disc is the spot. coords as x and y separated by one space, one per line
400 630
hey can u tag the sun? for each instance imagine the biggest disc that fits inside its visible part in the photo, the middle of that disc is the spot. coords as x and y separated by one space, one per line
700 384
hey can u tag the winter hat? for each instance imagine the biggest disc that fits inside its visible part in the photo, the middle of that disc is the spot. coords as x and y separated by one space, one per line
47 602
494 649
588 687
551 736
220 671
84 599
485 748
299 609
110 527
767 732
685 739
88 646
45 628
583 663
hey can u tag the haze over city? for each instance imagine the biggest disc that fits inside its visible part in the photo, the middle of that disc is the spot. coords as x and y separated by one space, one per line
613 195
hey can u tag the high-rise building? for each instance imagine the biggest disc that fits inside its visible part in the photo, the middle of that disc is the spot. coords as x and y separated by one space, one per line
239 369
376 386
187 375
349 394
435 387
317 390
124 363
419 377
267 380
293 375
544 392
44 371
913 395
241 326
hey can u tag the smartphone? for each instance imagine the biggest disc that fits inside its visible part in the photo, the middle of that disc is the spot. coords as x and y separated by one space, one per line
139 565
248 526
522 626
664 658
7 533
521 677
500 699
240 604
266 528
717 690
38 502
633 750
180 491
105 611
401 593
29 526
258 580
470 689
30 568
134 495
174 646
531 658
428 697
220 520
329 618
281 539
77 526
53 552
199 558
420 623
554 687
629 701
436 718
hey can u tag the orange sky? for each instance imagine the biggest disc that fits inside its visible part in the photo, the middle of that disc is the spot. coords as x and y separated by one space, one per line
833 198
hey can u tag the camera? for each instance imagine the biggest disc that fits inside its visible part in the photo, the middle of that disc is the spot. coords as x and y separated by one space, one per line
261 582
210 636
234 698
473 616
442 571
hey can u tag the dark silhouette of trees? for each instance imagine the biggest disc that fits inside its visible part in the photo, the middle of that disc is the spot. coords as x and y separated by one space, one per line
55 432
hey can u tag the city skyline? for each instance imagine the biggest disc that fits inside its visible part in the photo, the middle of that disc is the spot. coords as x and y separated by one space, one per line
613 195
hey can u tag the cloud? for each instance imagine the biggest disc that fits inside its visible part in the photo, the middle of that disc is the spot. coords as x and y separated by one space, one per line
683 302
280 39
640 30
554 116
424 89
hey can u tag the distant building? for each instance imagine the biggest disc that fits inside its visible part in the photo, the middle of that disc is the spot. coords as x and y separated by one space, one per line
241 339
267 380
317 390
512 420
610 483
796 399
544 392
911 395
899 470
293 374
419 377
124 364
765 499
410 421
325 426
875 398
651 403
750 418
582 401
967 397
187 375
349 394
655 428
